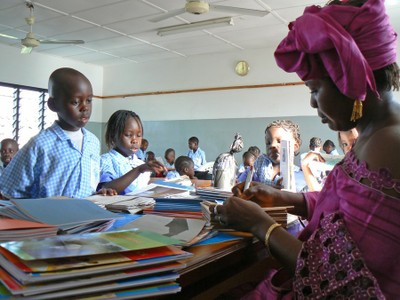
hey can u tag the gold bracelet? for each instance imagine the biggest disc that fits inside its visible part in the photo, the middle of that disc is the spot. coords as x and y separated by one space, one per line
268 235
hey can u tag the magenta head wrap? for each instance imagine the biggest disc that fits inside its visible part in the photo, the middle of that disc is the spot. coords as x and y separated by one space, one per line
340 41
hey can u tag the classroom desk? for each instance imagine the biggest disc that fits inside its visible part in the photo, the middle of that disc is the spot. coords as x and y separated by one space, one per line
215 269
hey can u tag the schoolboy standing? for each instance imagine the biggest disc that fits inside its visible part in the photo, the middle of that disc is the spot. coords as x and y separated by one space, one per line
141 153
195 153
62 160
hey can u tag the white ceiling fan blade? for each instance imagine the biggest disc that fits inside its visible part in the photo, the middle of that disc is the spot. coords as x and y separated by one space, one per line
168 15
8 36
74 42
238 10
26 50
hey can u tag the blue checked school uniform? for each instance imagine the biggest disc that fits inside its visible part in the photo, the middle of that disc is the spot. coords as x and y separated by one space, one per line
113 165
172 174
50 165
141 154
198 157
263 171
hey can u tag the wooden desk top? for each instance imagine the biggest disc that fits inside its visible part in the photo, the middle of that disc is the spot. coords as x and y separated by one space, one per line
217 268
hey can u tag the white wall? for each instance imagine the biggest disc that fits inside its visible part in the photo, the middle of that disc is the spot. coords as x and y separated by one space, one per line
34 70
205 71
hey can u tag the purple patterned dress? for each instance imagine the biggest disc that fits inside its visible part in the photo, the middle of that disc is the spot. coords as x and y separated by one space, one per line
351 246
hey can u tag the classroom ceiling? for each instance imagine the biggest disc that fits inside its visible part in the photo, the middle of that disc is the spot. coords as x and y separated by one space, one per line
120 31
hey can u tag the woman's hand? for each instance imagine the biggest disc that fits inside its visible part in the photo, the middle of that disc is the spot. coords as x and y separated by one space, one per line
262 194
241 215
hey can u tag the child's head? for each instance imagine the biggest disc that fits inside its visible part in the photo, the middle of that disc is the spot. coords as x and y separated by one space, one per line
150 156
255 150
124 132
144 145
328 146
347 139
276 132
315 144
184 165
70 96
248 159
170 155
193 143
9 148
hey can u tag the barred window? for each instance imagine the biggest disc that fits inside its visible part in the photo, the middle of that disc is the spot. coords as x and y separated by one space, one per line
23 112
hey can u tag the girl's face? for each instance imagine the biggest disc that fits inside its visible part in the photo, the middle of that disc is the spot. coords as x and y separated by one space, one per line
273 138
170 157
131 138
332 106
347 139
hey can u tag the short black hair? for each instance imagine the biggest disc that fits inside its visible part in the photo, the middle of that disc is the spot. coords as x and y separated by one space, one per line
183 162
168 151
116 126
255 150
315 142
249 154
194 139
329 143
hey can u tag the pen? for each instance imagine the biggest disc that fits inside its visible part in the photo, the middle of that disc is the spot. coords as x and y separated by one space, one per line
249 178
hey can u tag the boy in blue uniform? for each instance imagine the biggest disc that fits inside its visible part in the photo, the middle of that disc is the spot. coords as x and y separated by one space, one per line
64 159
195 153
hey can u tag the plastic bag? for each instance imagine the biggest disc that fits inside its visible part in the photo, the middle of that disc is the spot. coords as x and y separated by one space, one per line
225 166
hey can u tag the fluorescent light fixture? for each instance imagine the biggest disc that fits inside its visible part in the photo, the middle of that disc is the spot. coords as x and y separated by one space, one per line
212 23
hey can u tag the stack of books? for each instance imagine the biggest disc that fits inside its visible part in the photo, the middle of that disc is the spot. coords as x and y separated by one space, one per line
279 214
68 215
15 230
213 194
125 264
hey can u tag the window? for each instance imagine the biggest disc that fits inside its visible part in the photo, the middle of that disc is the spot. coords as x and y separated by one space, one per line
23 112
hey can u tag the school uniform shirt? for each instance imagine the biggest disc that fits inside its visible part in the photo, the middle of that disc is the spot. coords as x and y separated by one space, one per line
169 166
263 172
198 157
51 165
1 170
172 174
113 165
334 152
141 154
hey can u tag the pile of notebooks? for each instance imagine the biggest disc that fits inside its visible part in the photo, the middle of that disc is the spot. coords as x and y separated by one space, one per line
279 214
68 215
124 264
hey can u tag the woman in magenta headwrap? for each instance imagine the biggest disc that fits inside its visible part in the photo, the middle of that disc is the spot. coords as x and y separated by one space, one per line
346 54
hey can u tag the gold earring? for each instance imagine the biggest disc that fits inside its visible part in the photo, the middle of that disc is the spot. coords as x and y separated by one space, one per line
357 110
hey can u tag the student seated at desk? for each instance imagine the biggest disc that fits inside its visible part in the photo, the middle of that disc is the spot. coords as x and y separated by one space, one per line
64 159
267 166
9 148
170 159
142 151
183 166
120 168
195 153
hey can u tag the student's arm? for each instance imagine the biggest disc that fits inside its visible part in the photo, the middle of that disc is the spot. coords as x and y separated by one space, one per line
121 183
203 158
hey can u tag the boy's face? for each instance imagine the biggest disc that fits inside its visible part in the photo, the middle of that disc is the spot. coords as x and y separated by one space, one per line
8 150
73 104
192 145
248 161
130 139
273 138
151 157
144 145
328 149
189 171
170 157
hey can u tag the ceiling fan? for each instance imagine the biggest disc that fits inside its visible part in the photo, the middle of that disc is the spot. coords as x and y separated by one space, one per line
199 7
30 41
